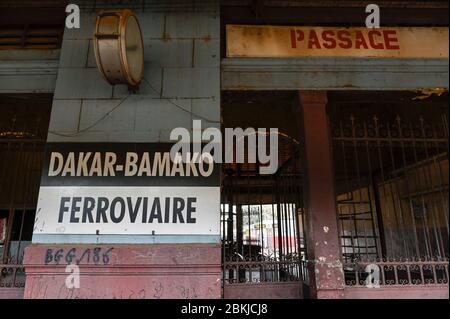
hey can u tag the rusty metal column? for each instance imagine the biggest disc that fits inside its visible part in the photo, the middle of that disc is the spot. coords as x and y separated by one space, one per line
324 253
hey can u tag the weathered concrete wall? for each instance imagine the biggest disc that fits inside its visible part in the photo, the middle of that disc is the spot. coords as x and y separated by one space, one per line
182 66
315 73
181 63
28 71
125 271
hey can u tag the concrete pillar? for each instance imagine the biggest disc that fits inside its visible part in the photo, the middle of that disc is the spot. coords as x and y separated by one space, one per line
323 240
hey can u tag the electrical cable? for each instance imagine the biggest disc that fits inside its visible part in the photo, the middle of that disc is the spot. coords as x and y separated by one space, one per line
120 103
93 124
180 107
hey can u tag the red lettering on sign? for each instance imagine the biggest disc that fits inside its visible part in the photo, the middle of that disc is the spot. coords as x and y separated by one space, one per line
389 41
313 40
344 38
296 35
331 39
373 44
360 41
293 39
328 37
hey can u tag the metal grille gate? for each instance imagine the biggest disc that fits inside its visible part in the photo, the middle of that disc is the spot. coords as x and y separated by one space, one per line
392 197
22 143
263 239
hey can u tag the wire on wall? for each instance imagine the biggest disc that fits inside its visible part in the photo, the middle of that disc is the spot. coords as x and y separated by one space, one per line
120 103
179 106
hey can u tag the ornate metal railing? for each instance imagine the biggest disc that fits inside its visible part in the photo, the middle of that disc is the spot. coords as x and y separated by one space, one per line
262 219
400 272
12 276
261 269
392 196
23 131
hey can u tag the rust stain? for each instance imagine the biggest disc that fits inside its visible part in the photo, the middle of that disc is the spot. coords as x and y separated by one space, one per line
206 39
166 37
426 93
349 85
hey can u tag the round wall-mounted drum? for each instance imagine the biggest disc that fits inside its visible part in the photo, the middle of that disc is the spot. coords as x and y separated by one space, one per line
119 49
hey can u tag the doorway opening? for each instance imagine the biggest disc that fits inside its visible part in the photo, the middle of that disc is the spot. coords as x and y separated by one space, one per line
262 215
24 121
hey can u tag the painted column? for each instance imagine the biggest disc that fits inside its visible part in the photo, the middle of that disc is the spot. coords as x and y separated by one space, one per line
158 258
323 241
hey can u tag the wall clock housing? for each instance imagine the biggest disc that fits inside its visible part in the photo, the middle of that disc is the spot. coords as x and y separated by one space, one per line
119 49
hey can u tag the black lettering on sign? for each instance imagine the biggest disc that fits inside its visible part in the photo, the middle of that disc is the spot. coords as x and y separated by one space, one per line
63 208
144 210
190 209
75 209
156 212
177 210
89 204
178 204
166 215
103 204
118 201
133 210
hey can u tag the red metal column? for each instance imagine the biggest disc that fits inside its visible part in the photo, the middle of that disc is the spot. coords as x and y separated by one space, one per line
323 240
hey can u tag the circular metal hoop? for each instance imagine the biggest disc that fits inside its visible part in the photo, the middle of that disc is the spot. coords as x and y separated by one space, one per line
112 50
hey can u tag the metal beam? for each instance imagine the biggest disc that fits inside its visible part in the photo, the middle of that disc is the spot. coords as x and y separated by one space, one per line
28 71
333 74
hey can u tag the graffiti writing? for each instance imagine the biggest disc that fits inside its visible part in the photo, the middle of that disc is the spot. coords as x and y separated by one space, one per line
95 255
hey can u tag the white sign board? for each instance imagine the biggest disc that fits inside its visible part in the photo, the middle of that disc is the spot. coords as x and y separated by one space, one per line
132 189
